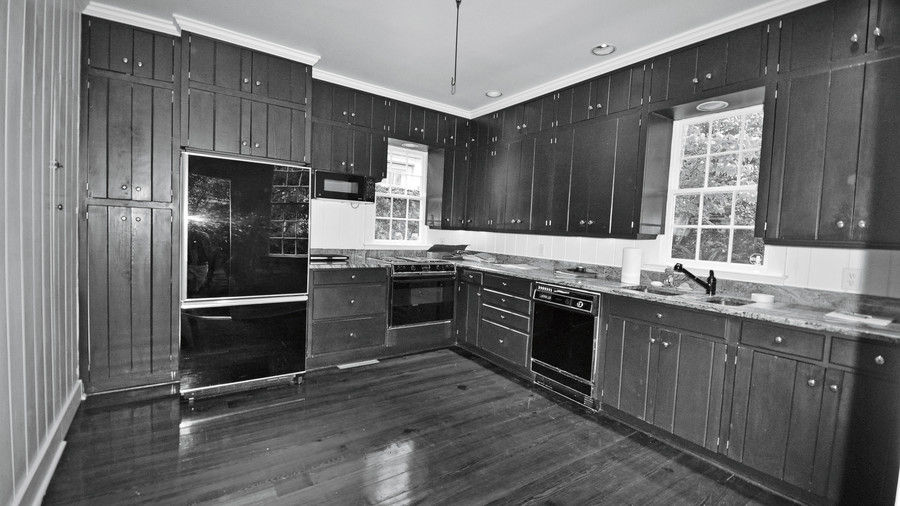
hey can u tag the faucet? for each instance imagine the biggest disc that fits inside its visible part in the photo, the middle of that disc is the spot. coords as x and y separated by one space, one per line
709 285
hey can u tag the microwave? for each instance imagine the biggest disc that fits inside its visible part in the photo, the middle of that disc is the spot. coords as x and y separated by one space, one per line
334 185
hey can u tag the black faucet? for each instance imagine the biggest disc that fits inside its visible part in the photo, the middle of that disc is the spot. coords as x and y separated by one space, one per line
709 285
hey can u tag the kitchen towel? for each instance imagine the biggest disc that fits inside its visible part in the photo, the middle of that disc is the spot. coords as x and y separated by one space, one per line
631 266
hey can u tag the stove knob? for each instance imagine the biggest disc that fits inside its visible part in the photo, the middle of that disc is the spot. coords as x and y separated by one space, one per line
579 304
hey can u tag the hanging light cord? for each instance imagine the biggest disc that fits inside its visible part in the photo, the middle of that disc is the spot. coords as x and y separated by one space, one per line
455 51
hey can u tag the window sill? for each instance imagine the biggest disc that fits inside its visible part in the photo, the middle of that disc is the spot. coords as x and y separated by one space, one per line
752 277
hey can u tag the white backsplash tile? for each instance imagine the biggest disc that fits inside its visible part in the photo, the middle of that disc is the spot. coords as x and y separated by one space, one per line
826 266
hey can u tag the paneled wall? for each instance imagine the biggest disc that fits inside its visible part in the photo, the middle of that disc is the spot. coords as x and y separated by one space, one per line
39 43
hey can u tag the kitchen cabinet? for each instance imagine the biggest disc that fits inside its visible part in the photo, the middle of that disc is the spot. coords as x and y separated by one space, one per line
342 149
417 123
521 119
517 188
130 150
128 297
378 167
494 160
824 33
228 124
626 188
457 161
626 90
505 322
590 99
129 51
552 174
593 169
468 307
351 107
556 109
382 115
476 188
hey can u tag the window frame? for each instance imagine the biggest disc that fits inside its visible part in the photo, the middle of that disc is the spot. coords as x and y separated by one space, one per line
422 157
679 127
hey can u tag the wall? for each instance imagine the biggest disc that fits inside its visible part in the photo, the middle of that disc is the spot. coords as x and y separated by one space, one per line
39 386
816 268
339 224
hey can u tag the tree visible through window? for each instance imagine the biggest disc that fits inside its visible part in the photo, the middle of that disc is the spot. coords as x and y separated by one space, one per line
399 198
713 188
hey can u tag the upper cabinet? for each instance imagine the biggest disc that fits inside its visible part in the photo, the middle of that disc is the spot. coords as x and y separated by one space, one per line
223 65
128 50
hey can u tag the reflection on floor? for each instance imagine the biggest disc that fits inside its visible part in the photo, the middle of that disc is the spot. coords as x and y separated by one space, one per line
437 427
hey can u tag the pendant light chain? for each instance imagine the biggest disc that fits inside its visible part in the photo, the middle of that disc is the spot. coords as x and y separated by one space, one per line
455 52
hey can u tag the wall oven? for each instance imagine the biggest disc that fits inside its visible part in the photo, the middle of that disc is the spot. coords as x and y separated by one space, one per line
334 185
421 291
564 341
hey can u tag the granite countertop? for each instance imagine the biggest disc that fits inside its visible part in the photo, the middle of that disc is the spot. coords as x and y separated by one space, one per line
353 263
810 318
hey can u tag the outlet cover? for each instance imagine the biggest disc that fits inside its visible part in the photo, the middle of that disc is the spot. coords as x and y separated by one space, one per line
850 279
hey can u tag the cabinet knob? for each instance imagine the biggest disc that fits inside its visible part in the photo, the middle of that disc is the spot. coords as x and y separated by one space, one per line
255 144
502 300
839 224
590 222
665 344
140 64
581 222
124 60
518 127
590 107
502 317
861 224
709 75
59 207
353 334
833 388
353 114
652 340
258 83
351 164
876 32
344 113
500 340
353 276
879 360
137 219
137 189
246 80
778 339
811 382
512 221
695 80
854 38
659 316
124 218
353 301
524 125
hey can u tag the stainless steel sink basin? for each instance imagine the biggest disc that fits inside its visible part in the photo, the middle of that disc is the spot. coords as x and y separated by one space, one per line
654 290
728 301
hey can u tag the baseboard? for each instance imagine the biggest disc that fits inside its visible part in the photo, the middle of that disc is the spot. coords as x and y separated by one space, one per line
38 477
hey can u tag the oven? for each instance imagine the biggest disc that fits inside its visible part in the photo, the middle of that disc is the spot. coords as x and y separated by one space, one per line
564 341
421 298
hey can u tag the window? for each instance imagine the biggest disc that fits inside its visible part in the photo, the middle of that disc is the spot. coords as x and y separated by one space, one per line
400 198
712 190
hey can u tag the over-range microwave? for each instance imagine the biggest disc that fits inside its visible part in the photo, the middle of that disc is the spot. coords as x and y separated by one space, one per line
334 185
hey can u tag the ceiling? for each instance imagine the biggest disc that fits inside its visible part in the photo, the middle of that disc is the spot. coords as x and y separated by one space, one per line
517 46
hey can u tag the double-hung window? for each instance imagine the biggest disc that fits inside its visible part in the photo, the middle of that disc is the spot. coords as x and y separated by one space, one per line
400 197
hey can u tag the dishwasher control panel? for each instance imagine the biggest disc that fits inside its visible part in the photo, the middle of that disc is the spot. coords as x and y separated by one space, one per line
571 299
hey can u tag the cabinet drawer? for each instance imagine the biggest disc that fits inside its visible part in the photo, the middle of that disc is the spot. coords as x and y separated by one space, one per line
470 276
506 318
785 340
344 335
513 286
875 357
703 323
505 343
343 276
508 302
340 301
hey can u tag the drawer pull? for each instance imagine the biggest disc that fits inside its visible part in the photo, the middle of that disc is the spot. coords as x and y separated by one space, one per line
659 316
665 344
352 301
140 64
502 299
503 283
124 60
879 360
778 339
502 317
500 339
652 340
833 388
258 83
353 334
811 382
353 276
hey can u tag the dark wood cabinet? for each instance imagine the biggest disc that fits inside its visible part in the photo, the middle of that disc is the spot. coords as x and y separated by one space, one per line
593 170
457 162
517 188
382 115
378 166
626 90
827 32
129 50
747 54
468 308
351 107
626 188
884 25
349 150
130 130
552 174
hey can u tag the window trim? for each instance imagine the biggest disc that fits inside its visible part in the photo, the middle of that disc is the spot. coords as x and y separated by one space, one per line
678 129
422 156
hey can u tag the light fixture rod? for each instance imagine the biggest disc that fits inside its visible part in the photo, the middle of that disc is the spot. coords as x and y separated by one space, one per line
455 51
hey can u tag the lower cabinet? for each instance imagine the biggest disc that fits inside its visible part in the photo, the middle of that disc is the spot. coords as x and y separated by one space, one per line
468 308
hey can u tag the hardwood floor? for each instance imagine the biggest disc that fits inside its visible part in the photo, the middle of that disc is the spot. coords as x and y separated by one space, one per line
438 427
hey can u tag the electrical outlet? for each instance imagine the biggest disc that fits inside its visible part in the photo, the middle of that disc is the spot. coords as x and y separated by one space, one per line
850 279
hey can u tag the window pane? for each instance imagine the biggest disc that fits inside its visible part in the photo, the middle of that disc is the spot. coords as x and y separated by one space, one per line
695 139
714 244
398 191
382 206
725 134
692 172
684 243
717 208
412 231
398 208
382 188
751 136
723 170
687 209
382 229
745 208
398 230
746 249
750 168
414 209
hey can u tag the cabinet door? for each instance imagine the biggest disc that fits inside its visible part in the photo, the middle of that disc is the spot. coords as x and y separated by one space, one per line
593 162
379 157
361 162
635 367
711 63
473 313
121 45
417 123
227 136
582 105
658 80
747 49
299 121
322 95
202 60
619 91
496 185
403 116
518 183
129 301
459 188
698 390
321 147
885 21
548 111
341 104
476 213
286 80
876 207
341 148
258 128
625 185
662 377
201 118
383 115
362 110
563 108
823 33
682 74
460 310
511 122
279 135
130 139
542 196
260 73
531 119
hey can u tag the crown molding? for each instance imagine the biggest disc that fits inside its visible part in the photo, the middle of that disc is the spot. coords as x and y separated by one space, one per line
331 77
217 32
120 15
744 18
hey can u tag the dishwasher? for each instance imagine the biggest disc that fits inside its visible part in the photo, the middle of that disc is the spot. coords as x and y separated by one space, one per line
564 341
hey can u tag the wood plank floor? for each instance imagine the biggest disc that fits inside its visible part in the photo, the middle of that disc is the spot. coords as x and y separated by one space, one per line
434 428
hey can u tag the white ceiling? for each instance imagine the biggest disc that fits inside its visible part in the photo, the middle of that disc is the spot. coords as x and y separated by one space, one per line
517 46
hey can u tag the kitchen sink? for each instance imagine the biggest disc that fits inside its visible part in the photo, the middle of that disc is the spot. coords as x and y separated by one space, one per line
654 290
728 301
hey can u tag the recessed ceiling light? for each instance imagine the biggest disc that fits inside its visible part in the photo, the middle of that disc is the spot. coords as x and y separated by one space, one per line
493 93
603 49
712 105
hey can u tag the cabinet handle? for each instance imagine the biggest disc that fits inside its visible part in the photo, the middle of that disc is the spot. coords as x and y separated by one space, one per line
778 339
652 340
811 382
351 164
59 207
659 316
876 32
512 220
353 276
854 38
861 224
709 75
666 344
352 114
695 80
502 317
503 283
246 80
124 218
137 219
518 127
524 125
140 64
839 224
581 222
137 189
500 340
590 222
353 301
879 360
590 107
344 113
124 60
833 388
124 186
258 83
255 144
244 143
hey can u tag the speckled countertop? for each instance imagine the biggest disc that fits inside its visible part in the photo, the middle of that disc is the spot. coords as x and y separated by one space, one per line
353 263
786 314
